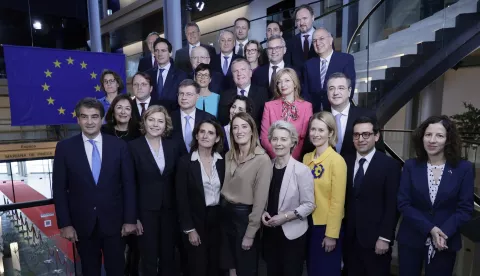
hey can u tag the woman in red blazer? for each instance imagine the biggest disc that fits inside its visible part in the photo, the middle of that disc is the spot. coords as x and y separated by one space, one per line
287 106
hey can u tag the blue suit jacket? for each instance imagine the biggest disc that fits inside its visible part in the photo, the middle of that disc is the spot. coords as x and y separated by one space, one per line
452 208
216 65
294 55
260 77
170 86
79 202
313 91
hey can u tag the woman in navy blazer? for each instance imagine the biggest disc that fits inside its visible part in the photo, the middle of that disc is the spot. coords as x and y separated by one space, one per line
435 198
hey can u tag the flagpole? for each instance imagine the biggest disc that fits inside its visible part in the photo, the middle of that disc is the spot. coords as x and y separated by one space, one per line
94 26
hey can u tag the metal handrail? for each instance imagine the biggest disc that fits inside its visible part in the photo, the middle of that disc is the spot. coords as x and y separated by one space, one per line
360 26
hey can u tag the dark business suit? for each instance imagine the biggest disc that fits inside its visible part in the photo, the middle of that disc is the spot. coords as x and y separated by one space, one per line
182 57
453 207
200 116
294 55
170 85
260 77
203 260
257 94
146 63
156 205
312 88
216 63
97 211
216 84
371 212
348 148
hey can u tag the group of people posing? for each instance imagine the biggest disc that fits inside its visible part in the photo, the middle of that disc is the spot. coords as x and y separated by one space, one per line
277 163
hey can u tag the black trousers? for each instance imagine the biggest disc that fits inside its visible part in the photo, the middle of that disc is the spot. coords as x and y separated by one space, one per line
364 262
284 257
204 260
157 244
234 225
90 249
411 261
132 256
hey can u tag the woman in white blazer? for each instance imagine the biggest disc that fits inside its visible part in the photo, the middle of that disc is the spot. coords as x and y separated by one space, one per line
290 201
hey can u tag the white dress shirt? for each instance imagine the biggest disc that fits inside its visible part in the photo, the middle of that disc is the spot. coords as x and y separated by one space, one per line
368 159
165 71
280 65
247 89
190 47
89 147
146 102
237 45
153 61
222 59
159 157
310 37
211 185
184 122
343 119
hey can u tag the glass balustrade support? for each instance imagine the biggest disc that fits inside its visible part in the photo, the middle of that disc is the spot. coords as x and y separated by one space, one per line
94 25
172 22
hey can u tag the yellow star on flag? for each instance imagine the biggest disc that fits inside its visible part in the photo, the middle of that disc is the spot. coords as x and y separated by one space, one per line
46 87
57 64
48 74
74 114
70 60
61 110
50 101
97 88
84 65
93 75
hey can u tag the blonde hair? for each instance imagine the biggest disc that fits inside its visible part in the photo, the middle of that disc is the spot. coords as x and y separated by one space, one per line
329 120
154 109
254 139
296 83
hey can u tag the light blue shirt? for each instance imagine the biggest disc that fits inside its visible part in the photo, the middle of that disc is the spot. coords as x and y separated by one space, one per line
210 103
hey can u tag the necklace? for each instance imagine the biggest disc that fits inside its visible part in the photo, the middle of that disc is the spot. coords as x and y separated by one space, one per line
121 135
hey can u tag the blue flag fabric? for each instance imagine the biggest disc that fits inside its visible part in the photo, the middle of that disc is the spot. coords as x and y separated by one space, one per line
45 84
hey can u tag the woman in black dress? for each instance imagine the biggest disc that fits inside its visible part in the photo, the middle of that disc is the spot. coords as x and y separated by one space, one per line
119 119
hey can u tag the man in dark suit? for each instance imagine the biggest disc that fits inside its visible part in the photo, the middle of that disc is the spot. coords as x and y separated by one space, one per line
223 61
299 47
182 56
94 192
165 77
273 28
201 55
148 60
371 203
241 27
185 118
345 114
242 74
318 70
265 75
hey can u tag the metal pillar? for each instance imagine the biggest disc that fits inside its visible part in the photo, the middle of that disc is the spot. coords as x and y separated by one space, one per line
94 26
172 22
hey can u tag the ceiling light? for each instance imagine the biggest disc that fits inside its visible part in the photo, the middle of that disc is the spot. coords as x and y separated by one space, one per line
200 5
37 25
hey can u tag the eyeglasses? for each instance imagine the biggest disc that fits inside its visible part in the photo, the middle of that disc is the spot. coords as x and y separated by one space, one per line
365 135
199 58
143 85
189 95
202 76
112 81
276 49
251 51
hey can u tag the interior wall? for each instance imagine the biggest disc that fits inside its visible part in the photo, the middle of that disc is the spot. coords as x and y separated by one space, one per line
460 86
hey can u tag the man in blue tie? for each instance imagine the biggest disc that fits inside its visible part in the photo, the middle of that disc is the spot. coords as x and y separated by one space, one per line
222 62
94 192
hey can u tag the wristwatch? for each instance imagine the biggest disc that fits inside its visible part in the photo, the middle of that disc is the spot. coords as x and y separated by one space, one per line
297 215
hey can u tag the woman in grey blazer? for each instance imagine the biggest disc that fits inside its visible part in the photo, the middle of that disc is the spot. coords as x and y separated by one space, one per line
290 201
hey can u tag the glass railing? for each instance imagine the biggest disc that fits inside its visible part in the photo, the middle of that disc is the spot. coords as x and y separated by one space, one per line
398 37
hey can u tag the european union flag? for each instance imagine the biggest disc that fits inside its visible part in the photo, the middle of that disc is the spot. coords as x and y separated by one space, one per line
45 84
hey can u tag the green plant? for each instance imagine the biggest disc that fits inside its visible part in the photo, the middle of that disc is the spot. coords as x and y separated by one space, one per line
468 122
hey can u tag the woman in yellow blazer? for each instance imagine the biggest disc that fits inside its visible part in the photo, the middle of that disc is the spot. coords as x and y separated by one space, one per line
330 180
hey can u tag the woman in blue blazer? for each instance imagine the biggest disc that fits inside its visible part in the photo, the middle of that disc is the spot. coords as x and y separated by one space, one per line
435 198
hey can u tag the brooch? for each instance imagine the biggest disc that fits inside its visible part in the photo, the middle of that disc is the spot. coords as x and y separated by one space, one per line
317 171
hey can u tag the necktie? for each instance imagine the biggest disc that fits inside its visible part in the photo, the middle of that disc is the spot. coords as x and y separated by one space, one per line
323 71
242 92
225 66
96 161
357 181
188 132
306 46
142 105
338 147
160 82
203 104
272 79
240 49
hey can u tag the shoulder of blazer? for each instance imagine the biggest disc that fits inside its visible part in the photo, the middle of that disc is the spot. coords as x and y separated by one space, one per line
312 62
301 169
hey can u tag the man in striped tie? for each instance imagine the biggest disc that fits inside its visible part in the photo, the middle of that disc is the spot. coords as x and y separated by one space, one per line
94 192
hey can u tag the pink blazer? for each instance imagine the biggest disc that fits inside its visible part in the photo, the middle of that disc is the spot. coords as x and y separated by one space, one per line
273 112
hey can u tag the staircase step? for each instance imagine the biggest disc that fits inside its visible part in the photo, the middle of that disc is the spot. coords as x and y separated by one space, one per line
419 29
385 52
452 11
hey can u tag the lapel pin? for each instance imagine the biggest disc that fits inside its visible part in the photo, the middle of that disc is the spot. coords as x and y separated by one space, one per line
450 171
